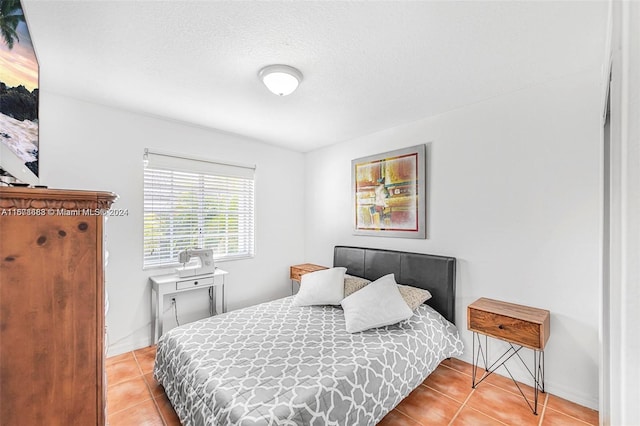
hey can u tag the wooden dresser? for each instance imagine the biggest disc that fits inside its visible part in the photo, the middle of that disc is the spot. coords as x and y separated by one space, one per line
52 306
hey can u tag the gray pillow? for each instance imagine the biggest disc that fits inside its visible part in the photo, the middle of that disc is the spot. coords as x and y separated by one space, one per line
413 296
353 284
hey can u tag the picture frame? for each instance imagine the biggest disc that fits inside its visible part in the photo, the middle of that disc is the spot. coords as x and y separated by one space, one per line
389 193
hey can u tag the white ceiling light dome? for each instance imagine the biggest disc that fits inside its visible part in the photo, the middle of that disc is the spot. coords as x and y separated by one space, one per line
282 80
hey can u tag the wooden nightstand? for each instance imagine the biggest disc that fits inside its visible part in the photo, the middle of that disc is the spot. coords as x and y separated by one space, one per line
297 271
520 326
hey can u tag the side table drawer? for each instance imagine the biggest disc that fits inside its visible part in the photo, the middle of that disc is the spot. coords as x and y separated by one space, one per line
180 285
506 328
296 273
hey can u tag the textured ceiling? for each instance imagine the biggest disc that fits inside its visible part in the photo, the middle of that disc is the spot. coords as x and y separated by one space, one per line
367 65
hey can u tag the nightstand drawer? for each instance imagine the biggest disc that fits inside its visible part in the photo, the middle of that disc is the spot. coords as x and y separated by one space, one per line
296 274
194 283
519 324
510 329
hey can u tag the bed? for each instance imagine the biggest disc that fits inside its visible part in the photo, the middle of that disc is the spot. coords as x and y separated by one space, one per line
280 364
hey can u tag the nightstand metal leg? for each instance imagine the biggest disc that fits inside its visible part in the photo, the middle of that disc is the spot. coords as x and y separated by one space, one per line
476 359
541 372
513 350
536 382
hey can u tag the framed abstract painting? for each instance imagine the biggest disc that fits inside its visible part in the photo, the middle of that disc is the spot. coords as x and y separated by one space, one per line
389 193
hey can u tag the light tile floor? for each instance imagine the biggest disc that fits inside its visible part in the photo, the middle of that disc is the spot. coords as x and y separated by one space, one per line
134 398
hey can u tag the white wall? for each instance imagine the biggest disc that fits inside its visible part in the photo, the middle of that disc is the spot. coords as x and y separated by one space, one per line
514 195
87 146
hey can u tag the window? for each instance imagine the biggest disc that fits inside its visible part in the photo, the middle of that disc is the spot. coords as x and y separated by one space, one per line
196 203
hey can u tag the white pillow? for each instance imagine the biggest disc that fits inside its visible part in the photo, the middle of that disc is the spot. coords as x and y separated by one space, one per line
376 305
325 287
412 295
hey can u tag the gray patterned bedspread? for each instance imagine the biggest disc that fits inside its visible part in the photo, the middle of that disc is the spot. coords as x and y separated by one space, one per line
278 364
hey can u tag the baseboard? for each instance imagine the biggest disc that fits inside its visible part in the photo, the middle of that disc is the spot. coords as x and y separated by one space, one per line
128 346
571 395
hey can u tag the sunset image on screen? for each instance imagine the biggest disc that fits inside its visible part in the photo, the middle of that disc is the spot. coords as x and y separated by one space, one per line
18 85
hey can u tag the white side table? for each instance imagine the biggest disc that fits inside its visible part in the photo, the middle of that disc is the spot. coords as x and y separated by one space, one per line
170 284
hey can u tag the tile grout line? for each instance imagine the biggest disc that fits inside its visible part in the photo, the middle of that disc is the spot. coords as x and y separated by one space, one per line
454 369
111 383
137 363
487 415
153 397
111 413
572 417
432 389
164 422
132 378
406 415
515 393
463 405
127 379
489 383
109 361
504 389
510 391
440 392
473 390
544 409
478 411
450 367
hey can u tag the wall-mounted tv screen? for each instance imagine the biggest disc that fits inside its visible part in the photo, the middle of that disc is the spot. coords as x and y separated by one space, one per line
19 144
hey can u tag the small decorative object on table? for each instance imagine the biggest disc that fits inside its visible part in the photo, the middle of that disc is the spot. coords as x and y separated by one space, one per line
521 327
297 271
203 264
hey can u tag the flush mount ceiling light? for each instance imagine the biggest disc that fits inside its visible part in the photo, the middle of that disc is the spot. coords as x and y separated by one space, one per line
280 79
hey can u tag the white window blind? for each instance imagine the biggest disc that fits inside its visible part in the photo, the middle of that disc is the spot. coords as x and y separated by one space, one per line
196 203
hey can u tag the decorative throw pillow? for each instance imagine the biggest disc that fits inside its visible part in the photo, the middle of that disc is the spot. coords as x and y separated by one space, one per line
353 284
325 287
376 305
414 296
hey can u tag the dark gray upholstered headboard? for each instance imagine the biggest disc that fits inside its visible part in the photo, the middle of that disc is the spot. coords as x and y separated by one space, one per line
434 273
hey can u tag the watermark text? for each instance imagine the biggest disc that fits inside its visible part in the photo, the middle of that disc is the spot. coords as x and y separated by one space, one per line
64 212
